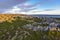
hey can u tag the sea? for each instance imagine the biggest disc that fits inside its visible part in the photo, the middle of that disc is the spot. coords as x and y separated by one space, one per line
48 16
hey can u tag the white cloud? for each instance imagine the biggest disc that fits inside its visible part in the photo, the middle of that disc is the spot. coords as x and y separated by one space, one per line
17 10
23 8
52 12
55 12
26 9
14 10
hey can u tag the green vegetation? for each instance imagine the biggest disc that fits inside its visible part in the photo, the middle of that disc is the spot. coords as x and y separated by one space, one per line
37 19
14 31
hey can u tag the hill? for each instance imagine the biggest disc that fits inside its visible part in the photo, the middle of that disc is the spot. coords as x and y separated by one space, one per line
9 17
25 27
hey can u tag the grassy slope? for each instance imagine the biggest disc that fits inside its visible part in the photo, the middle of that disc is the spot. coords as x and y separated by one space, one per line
14 31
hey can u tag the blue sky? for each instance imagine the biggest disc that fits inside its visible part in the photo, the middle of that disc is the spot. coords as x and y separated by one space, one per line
30 6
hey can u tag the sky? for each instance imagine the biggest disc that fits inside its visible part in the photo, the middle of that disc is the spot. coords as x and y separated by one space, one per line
30 6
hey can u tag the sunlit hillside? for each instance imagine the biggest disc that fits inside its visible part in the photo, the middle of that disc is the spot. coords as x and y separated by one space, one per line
9 17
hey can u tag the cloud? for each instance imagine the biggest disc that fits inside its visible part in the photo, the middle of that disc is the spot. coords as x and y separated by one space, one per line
9 3
25 7
51 12
21 6
6 5
39 2
49 9
14 10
